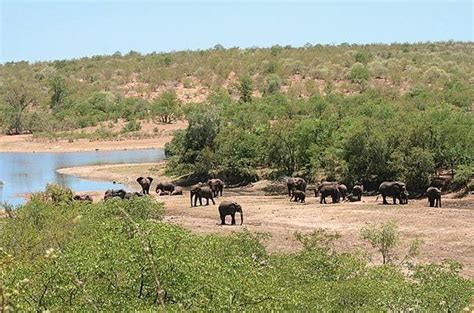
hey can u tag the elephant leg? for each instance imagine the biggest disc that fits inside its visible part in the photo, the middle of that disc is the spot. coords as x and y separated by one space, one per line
222 219
233 218
384 199
207 201
439 201
212 199
395 200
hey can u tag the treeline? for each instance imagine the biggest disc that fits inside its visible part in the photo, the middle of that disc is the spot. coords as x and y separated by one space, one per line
61 255
367 138
70 94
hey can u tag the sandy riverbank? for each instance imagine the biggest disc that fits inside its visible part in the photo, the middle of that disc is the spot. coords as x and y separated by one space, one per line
446 232
161 134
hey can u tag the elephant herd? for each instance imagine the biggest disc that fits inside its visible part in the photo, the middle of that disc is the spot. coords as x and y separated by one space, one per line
210 190
337 191
213 188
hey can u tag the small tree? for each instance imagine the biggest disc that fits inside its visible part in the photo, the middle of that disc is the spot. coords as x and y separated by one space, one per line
245 89
359 73
385 239
167 107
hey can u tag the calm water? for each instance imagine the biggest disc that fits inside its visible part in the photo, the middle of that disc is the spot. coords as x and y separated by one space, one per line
22 173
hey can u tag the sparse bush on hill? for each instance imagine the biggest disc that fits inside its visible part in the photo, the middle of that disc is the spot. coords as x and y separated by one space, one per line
76 256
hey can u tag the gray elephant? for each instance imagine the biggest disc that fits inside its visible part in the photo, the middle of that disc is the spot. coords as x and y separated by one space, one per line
178 191
434 196
113 193
394 189
130 195
343 191
326 189
85 198
230 208
200 191
357 191
165 187
216 185
298 195
296 183
145 183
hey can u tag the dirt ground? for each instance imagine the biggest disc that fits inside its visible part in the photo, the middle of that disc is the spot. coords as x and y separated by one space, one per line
446 232
27 143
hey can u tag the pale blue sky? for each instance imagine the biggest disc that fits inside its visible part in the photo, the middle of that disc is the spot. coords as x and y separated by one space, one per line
39 30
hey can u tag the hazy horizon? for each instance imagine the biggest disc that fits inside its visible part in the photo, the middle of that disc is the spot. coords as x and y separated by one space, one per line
46 31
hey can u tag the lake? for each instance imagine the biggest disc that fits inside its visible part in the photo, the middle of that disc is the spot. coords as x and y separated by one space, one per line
22 173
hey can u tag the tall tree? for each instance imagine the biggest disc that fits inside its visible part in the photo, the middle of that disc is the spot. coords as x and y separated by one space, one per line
17 99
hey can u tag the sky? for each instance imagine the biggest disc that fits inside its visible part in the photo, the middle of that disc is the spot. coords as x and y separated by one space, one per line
49 30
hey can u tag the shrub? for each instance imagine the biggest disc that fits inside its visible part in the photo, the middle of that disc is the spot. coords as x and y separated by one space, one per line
359 73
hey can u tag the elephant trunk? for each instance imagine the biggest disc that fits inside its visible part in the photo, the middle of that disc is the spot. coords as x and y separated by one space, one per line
241 217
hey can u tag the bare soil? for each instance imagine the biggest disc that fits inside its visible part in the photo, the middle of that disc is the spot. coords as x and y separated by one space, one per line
447 232
157 136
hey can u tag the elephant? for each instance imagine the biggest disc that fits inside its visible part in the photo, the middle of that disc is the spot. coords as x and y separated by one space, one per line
165 187
145 182
434 196
229 208
84 197
178 191
163 193
343 191
130 195
328 189
298 195
200 191
357 191
297 183
396 190
352 198
216 185
112 193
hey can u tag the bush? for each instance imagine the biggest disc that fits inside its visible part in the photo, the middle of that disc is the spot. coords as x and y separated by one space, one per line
359 73
79 257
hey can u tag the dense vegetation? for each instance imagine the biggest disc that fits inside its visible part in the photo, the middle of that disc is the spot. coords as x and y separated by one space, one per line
75 256
363 113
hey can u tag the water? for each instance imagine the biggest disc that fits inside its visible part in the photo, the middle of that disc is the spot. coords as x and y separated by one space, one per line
22 173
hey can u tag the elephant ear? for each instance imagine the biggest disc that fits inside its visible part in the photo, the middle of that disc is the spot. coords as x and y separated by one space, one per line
150 179
139 179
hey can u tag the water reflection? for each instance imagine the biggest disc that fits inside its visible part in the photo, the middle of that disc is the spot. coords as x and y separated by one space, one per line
23 173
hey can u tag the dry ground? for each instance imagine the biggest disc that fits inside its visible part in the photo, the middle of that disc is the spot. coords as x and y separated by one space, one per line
27 143
447 232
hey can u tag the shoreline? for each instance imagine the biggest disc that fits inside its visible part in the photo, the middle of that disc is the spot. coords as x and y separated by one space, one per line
161 135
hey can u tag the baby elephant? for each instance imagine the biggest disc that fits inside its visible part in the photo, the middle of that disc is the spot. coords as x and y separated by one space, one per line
130 195
145 183
85 198
298 195
229 208
178 191
434 196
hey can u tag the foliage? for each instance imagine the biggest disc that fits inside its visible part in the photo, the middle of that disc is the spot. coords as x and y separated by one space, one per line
80 256
245 89
385 238
359 73
167 107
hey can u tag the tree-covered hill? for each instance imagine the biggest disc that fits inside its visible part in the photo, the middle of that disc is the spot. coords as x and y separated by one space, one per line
362 113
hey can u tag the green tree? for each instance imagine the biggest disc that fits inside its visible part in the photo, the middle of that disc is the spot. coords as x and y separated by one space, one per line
167 107
18 98
245 89
59 92
359 73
